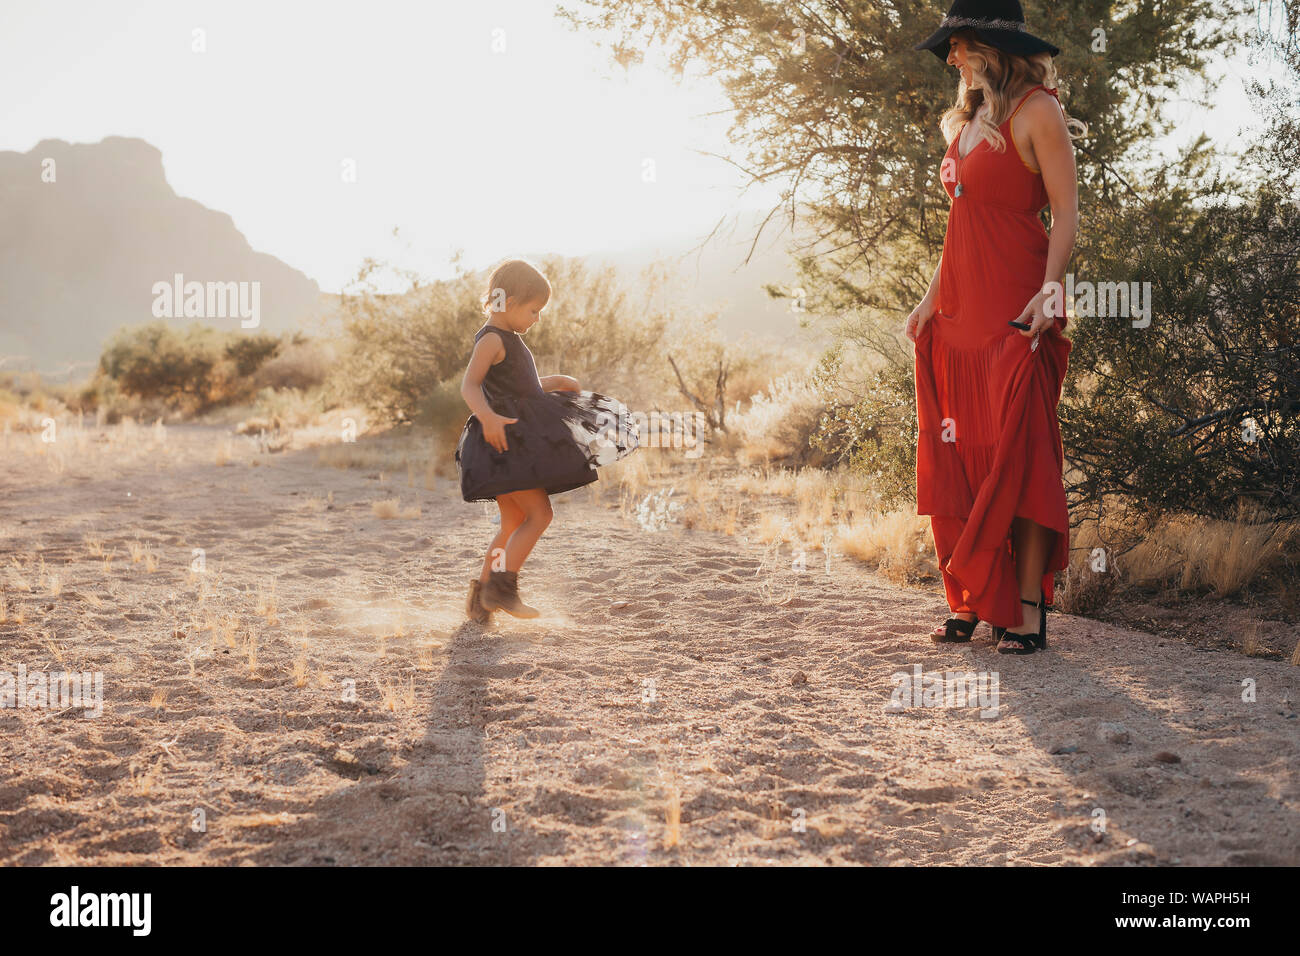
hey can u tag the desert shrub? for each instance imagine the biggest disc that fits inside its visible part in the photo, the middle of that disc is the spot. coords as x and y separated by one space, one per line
250 352
403 352
103 397
869 424
29 391
599 332
156 361
781 421
708 374
444 411
288 407
180 369
161 370
25 402
1202 407
400 347
300 364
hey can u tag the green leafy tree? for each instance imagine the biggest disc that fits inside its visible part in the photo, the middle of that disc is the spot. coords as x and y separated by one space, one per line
831 101
1202 408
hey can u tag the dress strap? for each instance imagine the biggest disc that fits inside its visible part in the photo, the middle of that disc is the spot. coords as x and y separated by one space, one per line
1028 94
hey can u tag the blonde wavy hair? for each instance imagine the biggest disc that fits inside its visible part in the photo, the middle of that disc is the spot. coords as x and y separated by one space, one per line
516 279
999 74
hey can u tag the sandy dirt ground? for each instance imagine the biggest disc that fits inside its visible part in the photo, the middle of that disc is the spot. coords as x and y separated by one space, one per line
315 695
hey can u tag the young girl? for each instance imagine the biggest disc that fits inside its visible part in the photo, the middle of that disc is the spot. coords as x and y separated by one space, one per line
528 437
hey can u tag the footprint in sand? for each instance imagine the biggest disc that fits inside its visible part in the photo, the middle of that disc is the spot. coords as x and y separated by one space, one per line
712 564
319 571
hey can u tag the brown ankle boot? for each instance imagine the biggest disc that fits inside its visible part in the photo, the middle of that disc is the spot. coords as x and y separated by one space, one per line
474 608
502 593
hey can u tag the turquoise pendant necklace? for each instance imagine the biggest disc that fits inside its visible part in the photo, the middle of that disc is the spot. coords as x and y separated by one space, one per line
961 160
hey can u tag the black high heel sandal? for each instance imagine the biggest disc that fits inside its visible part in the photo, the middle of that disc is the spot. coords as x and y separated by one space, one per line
1029 642
955 631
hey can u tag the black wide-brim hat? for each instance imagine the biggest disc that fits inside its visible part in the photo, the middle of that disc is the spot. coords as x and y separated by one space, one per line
998 23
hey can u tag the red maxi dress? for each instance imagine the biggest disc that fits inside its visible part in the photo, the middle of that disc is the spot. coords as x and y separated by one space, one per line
989 443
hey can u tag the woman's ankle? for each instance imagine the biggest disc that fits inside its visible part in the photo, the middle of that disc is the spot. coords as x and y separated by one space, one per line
1029 624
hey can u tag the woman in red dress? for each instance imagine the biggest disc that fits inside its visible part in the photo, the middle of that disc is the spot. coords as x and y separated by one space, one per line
990 353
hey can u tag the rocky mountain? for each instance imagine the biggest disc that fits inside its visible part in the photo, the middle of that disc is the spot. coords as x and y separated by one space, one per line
88 230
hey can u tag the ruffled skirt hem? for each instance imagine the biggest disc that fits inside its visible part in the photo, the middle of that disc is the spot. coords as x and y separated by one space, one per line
558 442
988 451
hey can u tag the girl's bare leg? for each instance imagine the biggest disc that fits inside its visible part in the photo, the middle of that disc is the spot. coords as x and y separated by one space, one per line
1031 542
535 505
511 518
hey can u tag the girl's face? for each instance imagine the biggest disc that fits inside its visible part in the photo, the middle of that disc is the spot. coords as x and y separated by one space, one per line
957 58
522 316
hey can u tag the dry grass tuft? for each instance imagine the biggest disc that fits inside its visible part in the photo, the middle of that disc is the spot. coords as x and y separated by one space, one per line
250 648
672 816
229 627
395 698
249 820
266 601
389 508
1187 551
827 828
1251 645
52 646
896 542
143 785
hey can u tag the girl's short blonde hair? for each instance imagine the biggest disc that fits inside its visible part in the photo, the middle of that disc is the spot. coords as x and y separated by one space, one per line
516 279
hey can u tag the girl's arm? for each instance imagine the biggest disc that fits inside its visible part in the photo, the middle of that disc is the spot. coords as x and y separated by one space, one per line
487 352
1050 142
559 383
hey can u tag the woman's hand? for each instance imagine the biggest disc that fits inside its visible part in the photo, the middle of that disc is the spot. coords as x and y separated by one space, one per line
560 383
1035 315
494 429
922 314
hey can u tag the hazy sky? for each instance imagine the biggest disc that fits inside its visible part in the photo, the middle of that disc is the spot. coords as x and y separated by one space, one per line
537 148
